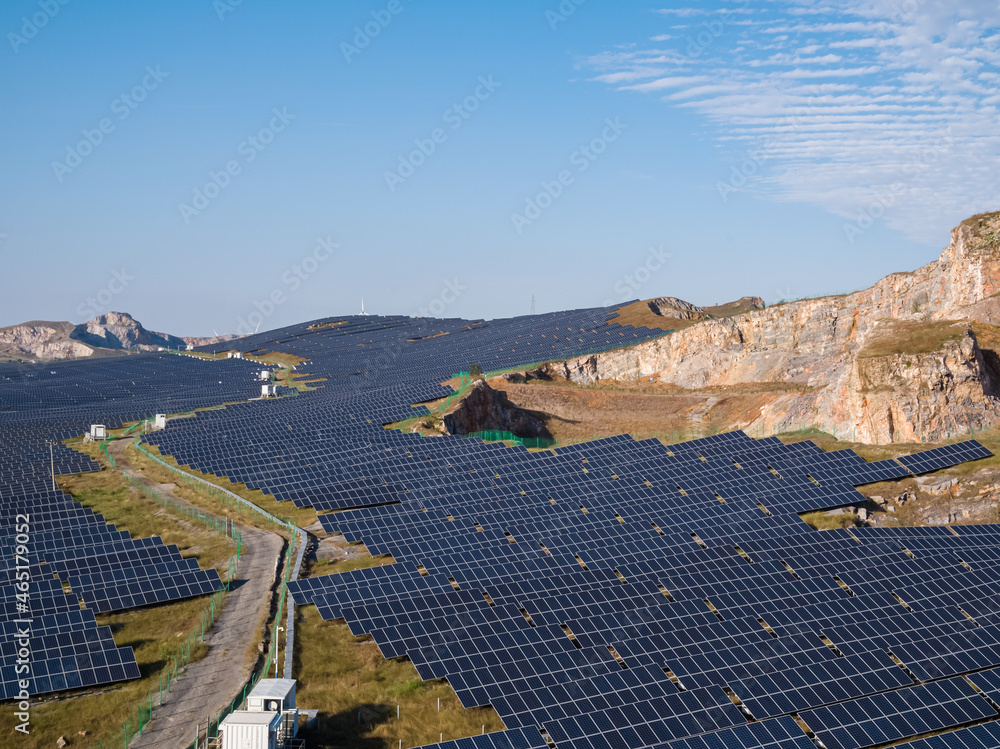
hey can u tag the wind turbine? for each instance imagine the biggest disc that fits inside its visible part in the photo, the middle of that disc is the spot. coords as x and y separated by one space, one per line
363 313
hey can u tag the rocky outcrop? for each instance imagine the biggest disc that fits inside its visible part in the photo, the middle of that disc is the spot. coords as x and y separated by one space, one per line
484 408
119 330
114 332
41 340
814 343
678 309
904 397
748 302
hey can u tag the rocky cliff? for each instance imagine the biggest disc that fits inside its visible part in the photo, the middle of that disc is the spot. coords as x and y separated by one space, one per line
816 342
119 330
115 332
41 340
669 306
903 397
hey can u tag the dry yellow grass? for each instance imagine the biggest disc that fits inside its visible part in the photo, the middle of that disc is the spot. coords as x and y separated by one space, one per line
823 522
897 337
108 494
638 314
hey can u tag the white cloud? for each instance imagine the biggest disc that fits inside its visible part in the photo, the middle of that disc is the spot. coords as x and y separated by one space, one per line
851 98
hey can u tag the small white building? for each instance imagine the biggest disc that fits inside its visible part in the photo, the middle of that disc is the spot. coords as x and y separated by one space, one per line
265 375
189 347
272 694
268 391
244 729
98 432
234 355
160 422
277 696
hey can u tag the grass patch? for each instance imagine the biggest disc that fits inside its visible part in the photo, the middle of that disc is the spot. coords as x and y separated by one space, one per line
331 566
820 521
284 376
357 691
828 442
901 337
639 315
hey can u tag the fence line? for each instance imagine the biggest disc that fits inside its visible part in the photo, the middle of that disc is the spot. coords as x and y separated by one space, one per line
134 727
298 535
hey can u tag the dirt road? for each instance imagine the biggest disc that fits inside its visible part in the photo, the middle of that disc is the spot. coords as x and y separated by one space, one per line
207 687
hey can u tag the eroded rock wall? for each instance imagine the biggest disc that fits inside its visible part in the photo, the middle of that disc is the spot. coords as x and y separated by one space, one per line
815 343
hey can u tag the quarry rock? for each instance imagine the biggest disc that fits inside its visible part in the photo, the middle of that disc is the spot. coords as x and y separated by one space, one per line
937 485
815 344
484 408
678 309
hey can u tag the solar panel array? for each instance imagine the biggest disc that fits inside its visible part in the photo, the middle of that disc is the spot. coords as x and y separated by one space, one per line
617 593
73 565
105 569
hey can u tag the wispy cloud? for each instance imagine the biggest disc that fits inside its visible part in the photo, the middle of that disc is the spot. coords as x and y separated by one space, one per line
852 99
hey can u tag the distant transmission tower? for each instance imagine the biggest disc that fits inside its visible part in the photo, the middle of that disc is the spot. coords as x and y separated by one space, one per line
532 304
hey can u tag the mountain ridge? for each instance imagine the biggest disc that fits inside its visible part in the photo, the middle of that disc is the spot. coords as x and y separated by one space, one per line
109 334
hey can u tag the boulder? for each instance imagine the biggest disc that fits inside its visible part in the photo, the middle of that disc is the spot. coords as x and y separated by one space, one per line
937 485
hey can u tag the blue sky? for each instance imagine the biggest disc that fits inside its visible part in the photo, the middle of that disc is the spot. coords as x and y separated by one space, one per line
206 165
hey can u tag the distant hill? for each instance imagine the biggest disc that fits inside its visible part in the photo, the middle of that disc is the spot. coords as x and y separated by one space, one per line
105 335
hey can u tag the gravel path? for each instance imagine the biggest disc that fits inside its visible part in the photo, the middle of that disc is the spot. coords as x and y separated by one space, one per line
207 687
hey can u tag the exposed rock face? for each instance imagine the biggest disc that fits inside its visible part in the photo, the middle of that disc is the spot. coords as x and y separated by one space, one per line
752 302
113 332
42 340
119 330
814 343
484 408
903 397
